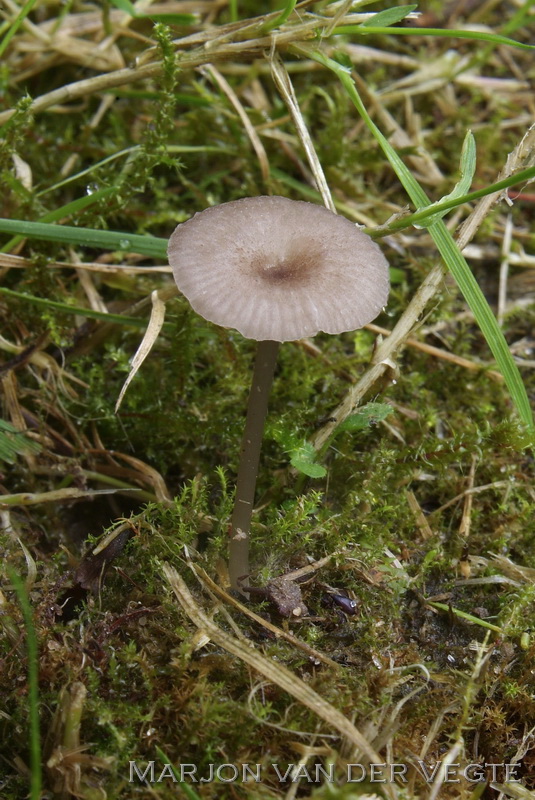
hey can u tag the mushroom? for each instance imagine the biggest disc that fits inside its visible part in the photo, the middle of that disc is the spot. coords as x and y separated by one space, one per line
276 270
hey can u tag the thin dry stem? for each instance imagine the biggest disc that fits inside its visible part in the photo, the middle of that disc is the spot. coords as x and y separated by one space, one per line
437 352
249 128
473 490
504 268
19 262
283 83
464 527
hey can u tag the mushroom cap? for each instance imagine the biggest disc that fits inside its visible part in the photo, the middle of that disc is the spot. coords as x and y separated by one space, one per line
278 269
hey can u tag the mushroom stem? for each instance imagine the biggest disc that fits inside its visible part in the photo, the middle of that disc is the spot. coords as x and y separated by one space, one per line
264 369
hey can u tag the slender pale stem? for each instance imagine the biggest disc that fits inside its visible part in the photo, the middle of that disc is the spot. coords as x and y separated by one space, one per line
264 368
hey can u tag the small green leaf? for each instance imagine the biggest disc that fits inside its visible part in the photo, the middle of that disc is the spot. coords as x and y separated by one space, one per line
312 470
383 19
303 460
467 170
366 416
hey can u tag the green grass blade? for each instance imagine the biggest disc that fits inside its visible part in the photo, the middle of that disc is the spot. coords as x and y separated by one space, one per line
118 319
185 148
447 33
423 216
17 22
188 791
518 20
465 616
484 318
281 19
66 211
33 685
106 240
87 171
447 248
126 152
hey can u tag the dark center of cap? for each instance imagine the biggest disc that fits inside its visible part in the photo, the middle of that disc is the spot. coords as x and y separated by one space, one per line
290 271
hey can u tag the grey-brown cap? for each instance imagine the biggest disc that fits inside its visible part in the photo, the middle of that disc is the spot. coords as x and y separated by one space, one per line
278 269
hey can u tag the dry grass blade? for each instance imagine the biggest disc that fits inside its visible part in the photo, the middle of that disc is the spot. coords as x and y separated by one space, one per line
249 128
55 496
422 162
276 673
19 262
450 758
473 490
143 472
68 764
504 269
157 319
284 85
87 55
510 569
31 566
419 516
464 527
513 790
385 353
